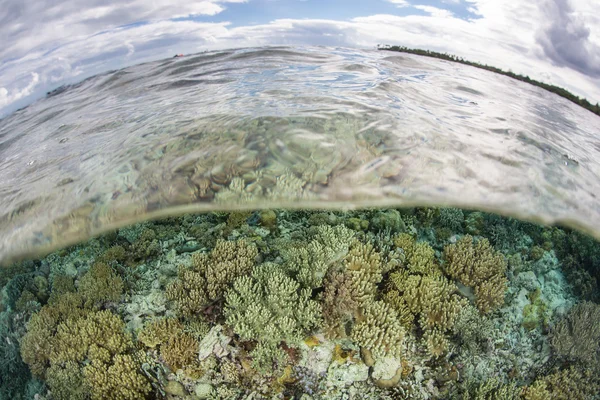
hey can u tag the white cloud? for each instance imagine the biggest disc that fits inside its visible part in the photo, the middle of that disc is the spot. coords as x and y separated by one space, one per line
505 35
399 3
7 97
434 11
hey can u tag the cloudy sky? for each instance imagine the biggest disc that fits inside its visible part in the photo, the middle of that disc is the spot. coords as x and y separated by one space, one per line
46 43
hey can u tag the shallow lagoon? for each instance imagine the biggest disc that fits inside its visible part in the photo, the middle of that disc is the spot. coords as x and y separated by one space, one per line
289 284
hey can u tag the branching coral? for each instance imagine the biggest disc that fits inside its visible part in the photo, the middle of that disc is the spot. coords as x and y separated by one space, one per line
308 263
70 342
351 286
180 350
177 347
479 266
493 389
66 382
210 275
159 331
270 307
577 335
420 291
117 380
100 285
379 330
419 257
568 384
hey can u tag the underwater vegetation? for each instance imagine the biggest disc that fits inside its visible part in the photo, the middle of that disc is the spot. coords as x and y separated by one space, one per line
421 303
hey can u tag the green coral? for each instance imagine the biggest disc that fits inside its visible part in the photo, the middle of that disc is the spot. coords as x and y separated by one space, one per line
479 266
270 307
308 262
493 389
536 314
210 275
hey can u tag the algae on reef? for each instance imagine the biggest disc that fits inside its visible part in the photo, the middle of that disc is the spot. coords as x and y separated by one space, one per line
421 303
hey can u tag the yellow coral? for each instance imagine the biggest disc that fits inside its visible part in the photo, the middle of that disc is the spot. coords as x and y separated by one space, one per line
119 380
478 265
99 285
67 382
436 342
159 331
180 350
379 330
568 384
210 275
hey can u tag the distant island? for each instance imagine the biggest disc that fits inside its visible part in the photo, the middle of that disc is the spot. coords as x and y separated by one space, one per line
551 88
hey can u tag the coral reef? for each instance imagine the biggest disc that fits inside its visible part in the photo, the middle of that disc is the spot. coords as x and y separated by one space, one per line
210 274
479 266
269 307
365 304
308 262
576 337
568 384
379 330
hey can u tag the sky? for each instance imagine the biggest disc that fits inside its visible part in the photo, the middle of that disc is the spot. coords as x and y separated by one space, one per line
47 43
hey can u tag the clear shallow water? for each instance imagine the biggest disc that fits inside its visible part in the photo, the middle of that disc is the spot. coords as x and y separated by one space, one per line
310 127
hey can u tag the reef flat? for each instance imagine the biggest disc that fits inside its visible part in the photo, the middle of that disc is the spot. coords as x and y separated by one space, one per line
420 303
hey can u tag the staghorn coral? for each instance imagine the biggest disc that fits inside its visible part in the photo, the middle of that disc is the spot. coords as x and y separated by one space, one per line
379 330
96 335
146 245
210 275
419 257
479 266
308 263
100 285
419 291
576 336
431 299
61 284
70 334
41 328
436 342
340 303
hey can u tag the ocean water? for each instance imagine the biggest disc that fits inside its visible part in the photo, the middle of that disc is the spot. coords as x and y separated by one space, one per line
299 223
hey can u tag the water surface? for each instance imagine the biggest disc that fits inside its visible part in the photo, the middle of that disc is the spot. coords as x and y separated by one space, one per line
295 127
